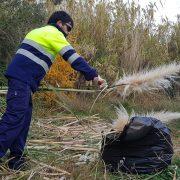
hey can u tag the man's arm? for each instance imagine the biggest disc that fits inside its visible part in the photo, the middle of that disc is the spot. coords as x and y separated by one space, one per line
77 62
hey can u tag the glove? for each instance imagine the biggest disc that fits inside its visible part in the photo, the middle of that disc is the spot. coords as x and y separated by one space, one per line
101 82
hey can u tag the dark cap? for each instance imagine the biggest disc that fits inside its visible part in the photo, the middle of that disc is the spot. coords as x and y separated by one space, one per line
61 15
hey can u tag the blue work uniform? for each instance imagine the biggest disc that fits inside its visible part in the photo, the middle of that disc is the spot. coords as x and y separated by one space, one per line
31 62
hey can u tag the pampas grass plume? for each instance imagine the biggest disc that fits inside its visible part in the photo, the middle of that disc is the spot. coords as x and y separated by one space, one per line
123 117
122 120
165 116
155 79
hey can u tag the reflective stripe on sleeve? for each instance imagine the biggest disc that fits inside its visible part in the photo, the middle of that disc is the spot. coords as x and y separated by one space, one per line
65 49
73 57
34 58
39 48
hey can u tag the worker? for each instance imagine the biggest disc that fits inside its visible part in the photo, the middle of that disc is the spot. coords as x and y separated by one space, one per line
31 62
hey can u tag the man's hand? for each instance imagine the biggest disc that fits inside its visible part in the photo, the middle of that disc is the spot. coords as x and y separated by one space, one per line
101 82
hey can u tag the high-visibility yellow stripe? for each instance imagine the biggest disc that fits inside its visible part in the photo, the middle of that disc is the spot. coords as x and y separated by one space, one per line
50 38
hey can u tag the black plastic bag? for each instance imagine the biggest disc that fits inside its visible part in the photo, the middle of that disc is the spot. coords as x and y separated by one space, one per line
144 146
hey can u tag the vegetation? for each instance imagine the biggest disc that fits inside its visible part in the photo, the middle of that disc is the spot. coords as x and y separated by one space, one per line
114 37
123 37
16 19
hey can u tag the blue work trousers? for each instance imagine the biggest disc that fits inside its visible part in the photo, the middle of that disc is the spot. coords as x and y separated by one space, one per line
15 122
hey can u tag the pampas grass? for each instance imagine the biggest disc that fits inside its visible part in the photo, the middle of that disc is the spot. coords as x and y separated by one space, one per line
165 116
122 120
156 79
123 117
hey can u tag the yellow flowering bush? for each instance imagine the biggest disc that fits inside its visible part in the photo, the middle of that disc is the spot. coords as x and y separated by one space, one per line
61 74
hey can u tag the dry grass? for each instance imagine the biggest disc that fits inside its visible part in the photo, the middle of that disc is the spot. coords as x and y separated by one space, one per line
67 141
63 150
64 146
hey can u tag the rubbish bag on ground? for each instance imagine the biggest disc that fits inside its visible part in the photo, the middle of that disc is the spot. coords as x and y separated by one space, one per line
144 146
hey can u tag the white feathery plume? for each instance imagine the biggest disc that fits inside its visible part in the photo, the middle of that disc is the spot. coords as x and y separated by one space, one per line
123 119
165 116
155 79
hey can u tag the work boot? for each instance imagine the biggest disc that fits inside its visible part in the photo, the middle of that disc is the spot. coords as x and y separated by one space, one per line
17 162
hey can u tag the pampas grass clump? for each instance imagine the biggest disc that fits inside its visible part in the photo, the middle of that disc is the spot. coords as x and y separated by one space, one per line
156 79
123 117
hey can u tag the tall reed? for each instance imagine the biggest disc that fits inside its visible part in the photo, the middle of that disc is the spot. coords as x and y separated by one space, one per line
121 36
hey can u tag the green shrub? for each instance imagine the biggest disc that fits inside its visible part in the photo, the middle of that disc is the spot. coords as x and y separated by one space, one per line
17 17
3 80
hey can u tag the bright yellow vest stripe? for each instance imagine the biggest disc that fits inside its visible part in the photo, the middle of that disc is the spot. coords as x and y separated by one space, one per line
49 38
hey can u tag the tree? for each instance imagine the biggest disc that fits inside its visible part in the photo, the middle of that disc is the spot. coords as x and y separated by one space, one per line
17 17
